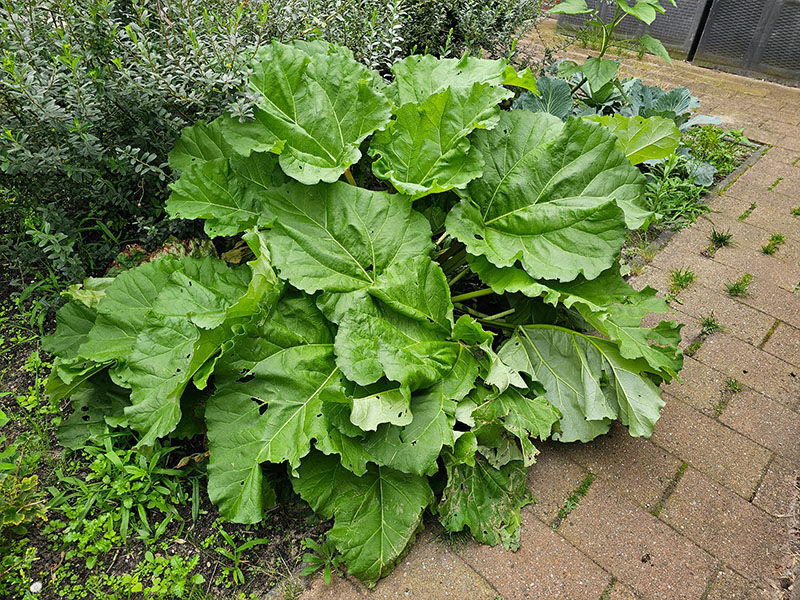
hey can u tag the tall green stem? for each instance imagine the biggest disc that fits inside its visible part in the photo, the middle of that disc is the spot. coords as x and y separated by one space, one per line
471 295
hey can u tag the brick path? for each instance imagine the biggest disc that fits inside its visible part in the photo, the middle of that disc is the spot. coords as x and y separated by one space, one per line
700 510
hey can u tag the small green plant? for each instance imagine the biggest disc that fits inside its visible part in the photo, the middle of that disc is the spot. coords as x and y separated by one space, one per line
21 501
572 501
796 211
323 555
720 239
692 348
775 240
733 385
740 286
233 551
680 279
674 196
775 183
748 212
709 324
724 149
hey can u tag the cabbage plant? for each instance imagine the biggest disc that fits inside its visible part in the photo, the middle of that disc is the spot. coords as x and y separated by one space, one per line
426 285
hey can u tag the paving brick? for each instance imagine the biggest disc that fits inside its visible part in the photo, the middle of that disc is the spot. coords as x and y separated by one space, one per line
544 568
785 344
723 454
636 468
432 571
745 235
709 273
637 548
779 489
701 386
764 215
728 526
552 479
765 421
339 589
755 368
737 319
622 592
729 585
775 301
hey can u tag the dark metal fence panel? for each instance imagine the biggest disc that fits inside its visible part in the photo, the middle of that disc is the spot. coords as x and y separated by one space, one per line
753 37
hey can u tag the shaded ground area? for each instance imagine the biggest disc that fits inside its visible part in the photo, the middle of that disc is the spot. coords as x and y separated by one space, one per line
706 509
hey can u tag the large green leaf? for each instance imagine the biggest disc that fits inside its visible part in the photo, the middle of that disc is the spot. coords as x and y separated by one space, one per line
525 417
400 329
74 321
316 105
162 362
595 294
94 405
554 97
202 290
124 308
374 340
570 7
415 447
199 143
338 237
587 379
418 77
270 410
485 499
642 139
622 322
375 516
212 191
549 197
426 150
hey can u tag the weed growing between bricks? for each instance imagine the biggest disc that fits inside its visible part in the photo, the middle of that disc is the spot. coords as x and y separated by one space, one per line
775 240
748 212
673 484
732 386
740 287
572 501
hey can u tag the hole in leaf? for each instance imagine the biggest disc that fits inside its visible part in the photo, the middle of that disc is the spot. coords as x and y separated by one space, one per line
85 417
478 236
84 408
262 408
246 378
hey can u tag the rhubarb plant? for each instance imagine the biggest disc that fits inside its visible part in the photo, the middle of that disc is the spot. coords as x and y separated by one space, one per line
430 284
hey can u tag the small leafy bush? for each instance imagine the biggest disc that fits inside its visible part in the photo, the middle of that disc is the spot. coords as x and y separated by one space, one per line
21 501
432 285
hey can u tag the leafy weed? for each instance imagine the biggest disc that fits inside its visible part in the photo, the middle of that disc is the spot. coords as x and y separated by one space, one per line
740 286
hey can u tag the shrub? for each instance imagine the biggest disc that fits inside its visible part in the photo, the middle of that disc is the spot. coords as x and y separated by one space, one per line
430 315
93 94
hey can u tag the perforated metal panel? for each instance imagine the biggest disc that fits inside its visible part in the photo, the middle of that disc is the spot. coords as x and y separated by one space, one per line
676 28
781 55
753 37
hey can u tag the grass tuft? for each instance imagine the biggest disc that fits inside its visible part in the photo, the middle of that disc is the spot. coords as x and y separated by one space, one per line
740 286
709 323
720 239
733 385
775 240
680 279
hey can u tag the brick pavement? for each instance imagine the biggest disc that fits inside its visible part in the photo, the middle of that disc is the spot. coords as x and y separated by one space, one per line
702 510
